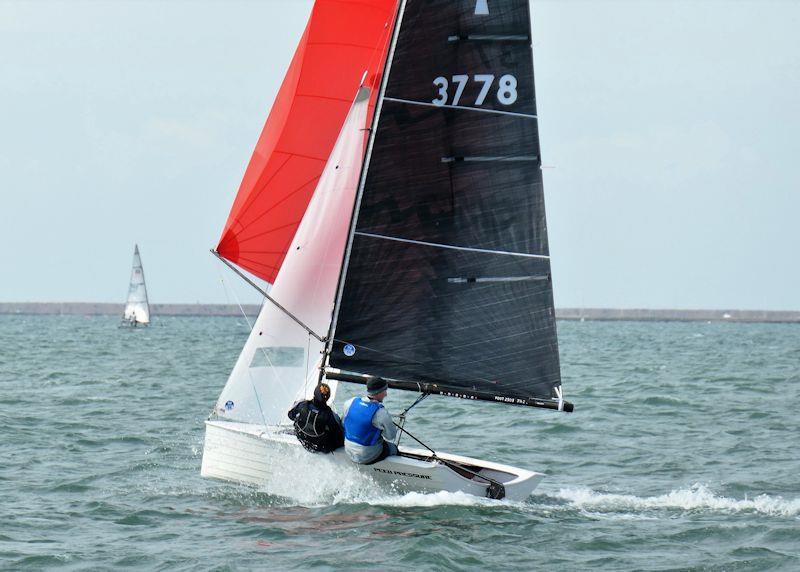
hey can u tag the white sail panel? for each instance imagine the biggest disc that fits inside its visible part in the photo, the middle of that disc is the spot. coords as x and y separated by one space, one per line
137 309
279 363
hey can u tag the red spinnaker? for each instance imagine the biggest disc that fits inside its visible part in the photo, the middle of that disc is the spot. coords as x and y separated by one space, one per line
342 40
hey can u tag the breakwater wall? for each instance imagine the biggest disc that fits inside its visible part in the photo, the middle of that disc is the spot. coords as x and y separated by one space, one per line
624 314
105 309
649 315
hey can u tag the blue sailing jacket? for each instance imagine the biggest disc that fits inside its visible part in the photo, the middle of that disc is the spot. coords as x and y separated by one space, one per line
358 426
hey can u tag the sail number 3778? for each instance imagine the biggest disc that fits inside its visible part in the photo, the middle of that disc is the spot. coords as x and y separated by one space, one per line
506 88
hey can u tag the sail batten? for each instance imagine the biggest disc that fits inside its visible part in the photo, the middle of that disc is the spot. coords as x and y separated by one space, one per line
463 108
453 246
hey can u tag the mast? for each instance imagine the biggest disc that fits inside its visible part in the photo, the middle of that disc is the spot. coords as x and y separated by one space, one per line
361 182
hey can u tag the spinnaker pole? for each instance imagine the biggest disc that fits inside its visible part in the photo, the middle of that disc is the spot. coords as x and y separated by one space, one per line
268 297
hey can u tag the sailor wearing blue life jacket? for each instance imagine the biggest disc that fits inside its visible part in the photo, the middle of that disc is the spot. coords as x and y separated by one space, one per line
368 426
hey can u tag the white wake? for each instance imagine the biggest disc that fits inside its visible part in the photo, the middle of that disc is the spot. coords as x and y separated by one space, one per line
318 481
696 497
442 498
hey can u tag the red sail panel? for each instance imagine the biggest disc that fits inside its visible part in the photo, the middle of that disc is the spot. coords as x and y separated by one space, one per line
342 40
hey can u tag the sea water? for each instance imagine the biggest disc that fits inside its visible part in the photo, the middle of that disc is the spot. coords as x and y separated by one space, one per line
682 454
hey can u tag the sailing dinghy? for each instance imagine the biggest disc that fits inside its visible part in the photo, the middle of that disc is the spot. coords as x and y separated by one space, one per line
137 310
394 201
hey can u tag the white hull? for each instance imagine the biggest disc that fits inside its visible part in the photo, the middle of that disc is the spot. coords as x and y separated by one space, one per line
125 323
251 454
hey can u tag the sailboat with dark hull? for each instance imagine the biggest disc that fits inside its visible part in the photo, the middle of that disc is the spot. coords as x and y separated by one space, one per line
417 251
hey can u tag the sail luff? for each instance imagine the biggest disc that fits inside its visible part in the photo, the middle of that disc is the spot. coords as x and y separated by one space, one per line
362 178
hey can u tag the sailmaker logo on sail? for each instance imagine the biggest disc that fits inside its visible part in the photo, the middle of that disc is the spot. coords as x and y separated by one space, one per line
505 399
459 395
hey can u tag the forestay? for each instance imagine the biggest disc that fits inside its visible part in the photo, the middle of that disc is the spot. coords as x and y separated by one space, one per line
448 287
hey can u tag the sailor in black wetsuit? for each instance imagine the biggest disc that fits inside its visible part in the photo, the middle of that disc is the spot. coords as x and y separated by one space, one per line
316 425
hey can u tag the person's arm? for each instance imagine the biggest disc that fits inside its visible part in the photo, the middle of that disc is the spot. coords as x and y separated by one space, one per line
337 418
347 405
293 411
383 421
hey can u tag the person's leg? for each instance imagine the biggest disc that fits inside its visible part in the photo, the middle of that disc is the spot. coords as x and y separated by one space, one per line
385 452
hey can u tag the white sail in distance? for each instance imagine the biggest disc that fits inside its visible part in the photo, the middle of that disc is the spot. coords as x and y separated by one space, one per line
137 309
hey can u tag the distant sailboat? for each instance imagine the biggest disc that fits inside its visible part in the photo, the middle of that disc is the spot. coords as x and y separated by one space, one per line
395 203
137 310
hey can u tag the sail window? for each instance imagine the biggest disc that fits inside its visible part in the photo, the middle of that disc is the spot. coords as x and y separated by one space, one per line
277 356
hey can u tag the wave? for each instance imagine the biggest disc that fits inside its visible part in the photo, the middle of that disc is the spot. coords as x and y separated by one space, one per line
698 497
319 489
666 400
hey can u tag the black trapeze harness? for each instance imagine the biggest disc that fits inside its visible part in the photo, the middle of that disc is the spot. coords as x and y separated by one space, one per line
316 429
309 428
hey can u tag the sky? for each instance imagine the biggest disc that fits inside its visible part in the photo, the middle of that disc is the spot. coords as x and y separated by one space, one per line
668 130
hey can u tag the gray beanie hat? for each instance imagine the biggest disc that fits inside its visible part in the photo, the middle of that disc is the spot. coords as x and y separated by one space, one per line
376 385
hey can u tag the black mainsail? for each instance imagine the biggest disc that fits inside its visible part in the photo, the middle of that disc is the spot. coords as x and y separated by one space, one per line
447 288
